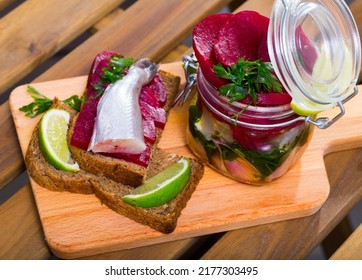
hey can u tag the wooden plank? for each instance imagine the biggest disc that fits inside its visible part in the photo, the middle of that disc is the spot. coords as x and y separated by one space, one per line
26 40
300 236
166 251
21 235
11 160
150 35
6 3
264 7
106 20
351 249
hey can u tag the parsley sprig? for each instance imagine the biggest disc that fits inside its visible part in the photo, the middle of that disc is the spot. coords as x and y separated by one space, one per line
248 78
42 103
115 70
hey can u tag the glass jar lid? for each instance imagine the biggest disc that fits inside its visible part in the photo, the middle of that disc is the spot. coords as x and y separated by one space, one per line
315 49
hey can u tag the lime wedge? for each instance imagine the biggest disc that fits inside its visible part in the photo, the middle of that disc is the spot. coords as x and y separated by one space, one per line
308 108
161 188
53 140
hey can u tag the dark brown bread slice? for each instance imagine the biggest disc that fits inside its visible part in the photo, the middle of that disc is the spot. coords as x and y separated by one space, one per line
50 177
162 218
117 169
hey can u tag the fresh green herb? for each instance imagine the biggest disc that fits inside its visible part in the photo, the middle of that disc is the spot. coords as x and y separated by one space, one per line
247 79
75 102
115 70
42 103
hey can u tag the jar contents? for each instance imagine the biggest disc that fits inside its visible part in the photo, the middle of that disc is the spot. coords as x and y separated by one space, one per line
241 122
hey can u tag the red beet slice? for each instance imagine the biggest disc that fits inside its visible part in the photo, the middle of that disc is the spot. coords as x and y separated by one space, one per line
142 159
306 50
159 89
100 61
204 36
254 139
158 115
263 53
269 99
149 131
83 128
240 37
147 95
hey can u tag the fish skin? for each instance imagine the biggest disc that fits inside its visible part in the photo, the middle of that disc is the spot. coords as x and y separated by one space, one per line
118 127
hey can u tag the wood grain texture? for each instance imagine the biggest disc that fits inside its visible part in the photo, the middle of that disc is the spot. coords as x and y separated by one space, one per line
29 38
351 249
301 192
162 26
300 236
11 160
22 237
6 3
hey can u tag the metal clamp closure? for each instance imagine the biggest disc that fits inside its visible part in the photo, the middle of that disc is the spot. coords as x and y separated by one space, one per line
325 122
190 68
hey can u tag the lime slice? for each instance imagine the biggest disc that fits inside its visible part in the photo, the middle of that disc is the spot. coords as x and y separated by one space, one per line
53 140
161 188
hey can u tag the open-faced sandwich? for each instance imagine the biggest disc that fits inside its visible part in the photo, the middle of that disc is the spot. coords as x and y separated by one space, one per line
109 148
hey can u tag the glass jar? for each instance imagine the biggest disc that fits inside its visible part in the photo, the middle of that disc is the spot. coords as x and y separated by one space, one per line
314 47
255 146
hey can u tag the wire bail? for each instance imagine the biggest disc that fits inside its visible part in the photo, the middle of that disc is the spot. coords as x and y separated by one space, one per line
190 68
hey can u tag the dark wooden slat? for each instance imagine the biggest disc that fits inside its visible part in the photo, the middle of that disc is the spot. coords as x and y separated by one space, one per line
36 30
300 236
11 160
6 3
352 248
21 234
138 32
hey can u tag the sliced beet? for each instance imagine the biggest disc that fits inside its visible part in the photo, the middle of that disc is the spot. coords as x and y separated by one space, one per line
263 53
158 87
83 128
306 50
100 61
254 139
240 37
158 115
141 159
269 99
147 95
204 36
149 131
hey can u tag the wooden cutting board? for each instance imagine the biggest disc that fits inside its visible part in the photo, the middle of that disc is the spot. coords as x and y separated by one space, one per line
77 225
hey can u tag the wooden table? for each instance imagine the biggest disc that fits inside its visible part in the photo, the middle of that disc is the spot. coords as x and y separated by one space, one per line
48 40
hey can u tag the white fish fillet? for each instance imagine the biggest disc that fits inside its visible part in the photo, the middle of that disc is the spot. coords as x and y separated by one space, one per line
118 127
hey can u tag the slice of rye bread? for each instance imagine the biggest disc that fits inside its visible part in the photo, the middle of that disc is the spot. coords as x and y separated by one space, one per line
50 177
119 170
162 218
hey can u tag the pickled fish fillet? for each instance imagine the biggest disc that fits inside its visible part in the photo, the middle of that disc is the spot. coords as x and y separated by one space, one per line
118 126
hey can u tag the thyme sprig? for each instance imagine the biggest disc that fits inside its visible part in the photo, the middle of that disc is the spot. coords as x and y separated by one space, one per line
42 103
248 78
